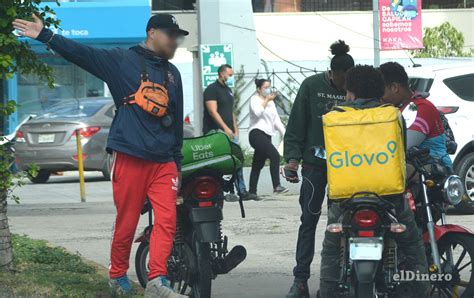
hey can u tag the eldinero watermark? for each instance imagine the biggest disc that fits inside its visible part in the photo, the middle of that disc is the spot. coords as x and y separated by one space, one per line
418 276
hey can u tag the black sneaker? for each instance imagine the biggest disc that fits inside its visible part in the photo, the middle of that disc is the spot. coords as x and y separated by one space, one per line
298 290
247 196
280 189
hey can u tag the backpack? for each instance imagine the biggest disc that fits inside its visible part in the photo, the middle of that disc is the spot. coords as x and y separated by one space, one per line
212 151
451 145
365 151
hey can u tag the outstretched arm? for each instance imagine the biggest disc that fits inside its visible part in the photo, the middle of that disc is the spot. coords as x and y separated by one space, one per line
99 62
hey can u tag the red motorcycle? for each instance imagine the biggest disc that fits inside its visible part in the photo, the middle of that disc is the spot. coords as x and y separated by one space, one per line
449 247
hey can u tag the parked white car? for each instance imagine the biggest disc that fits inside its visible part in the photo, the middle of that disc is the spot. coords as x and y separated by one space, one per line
451 88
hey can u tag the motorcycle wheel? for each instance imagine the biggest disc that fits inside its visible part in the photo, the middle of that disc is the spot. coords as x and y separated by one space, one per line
365 290
462 283
180 267
141 263
202 284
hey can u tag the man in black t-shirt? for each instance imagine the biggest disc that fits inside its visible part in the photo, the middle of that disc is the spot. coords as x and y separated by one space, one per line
219 114
219 104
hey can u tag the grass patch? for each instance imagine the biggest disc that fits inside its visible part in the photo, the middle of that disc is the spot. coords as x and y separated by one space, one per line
43 270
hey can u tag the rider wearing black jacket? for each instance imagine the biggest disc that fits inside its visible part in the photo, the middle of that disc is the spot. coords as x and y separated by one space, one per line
365 88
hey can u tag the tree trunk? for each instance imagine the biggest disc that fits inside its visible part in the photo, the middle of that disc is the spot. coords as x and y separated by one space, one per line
6 255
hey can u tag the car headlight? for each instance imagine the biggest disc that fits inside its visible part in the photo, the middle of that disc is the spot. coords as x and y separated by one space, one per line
453 190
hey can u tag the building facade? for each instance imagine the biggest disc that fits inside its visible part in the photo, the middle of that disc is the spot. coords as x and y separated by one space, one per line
104 24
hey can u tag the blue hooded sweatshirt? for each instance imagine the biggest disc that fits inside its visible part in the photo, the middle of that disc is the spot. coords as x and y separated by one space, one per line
134 131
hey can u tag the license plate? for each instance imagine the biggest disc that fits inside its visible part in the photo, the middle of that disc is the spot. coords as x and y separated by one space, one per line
46 138
365 249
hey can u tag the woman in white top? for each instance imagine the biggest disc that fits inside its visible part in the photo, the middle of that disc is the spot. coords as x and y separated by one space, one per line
264 123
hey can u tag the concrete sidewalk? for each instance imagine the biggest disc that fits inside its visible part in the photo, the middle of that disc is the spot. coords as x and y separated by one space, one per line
52 211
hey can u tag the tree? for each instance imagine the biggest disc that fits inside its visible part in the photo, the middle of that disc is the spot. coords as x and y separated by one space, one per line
239 87
442 41
16 56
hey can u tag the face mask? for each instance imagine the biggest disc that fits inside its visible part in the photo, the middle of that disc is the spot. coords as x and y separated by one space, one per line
267 92
230 81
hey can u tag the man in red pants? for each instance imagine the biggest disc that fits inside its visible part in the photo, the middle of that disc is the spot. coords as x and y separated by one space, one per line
146 143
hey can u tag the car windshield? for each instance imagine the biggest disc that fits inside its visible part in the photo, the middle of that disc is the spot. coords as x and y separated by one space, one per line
420 84
73 109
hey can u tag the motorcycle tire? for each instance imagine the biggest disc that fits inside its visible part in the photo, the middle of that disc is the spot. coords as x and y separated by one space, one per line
466 241
202 285
141 263
365 290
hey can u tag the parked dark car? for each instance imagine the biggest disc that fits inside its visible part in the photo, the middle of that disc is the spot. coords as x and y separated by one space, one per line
49 140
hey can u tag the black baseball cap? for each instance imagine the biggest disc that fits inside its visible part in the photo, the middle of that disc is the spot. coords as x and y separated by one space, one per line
166 22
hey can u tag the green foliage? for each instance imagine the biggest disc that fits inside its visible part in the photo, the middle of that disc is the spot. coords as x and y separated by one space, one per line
442 41
27 251
239 87
8 180
248 158
47 271
290 89
16 54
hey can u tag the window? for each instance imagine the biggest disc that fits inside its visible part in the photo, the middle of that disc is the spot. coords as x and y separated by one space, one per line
73 109
310 5
343 5
462 86
420 84
111 112
35 97
173 5
436 4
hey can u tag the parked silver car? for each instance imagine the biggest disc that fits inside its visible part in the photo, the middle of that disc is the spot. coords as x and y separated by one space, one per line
49 140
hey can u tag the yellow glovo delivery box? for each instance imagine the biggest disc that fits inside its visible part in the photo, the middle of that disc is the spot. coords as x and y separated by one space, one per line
365 151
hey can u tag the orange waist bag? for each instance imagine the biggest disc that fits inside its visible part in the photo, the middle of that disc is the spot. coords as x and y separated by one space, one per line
151 97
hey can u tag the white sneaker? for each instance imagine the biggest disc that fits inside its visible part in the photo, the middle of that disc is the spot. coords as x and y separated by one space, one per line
160 288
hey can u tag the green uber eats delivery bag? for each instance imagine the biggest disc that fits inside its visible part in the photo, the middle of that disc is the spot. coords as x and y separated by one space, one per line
213 151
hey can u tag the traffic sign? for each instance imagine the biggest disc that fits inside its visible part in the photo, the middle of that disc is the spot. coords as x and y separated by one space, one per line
213 56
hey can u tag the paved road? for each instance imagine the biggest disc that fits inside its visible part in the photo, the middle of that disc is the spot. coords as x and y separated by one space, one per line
52 211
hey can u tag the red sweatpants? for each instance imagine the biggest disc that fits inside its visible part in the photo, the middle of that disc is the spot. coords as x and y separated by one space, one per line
133 179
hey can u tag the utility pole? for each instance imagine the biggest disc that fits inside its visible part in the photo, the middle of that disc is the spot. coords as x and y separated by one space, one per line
208 16
376 22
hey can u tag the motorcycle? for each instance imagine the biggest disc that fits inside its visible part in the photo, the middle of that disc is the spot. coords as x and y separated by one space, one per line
449 247
368 249
200 250
370 260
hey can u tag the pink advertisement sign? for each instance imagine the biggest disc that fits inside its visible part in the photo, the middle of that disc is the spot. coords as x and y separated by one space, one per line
400 24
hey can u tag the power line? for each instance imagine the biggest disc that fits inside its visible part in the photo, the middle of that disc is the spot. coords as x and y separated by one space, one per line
283 59
282 36
347 28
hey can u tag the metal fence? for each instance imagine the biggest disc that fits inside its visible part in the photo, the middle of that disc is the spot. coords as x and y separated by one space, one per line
286 82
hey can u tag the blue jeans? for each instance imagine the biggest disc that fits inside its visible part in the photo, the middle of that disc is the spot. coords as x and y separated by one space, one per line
239 181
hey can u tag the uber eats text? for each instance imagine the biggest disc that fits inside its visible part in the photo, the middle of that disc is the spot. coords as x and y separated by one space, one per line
202 151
